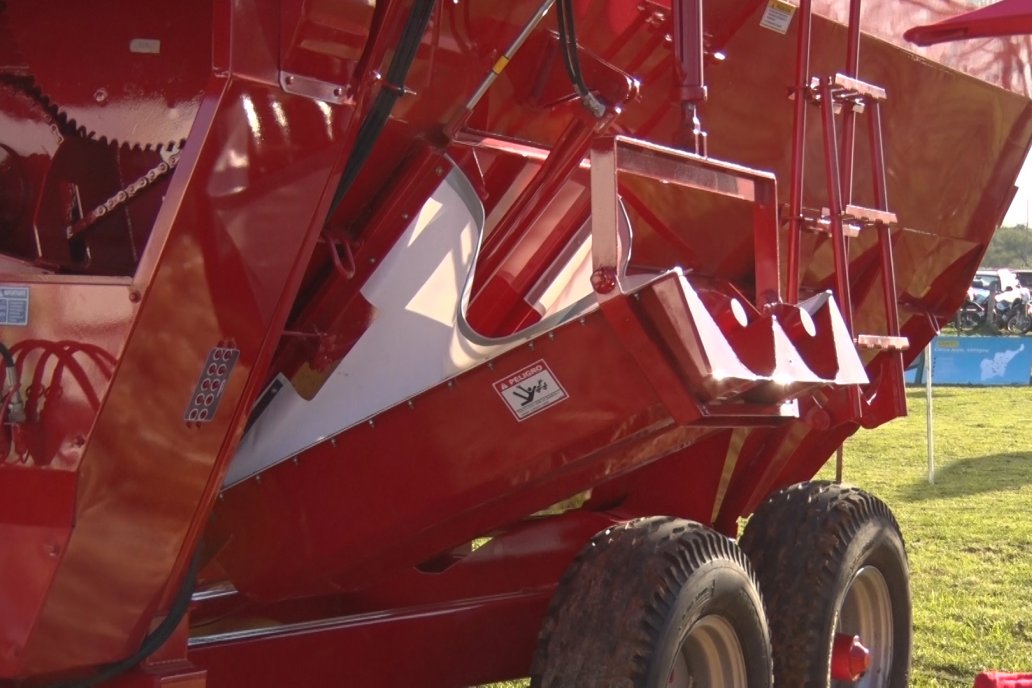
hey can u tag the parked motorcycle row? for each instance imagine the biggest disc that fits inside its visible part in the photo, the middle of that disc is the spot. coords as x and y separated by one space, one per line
997 302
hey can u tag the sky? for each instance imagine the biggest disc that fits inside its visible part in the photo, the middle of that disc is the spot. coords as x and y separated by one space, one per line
1020 212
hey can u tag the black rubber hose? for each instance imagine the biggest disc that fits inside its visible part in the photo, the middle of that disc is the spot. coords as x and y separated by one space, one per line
154 640
568 41
571 60
392 89
7 356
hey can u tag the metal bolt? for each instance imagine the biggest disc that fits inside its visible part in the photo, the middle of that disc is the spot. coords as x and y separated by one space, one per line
530 345
410 404
333 442
134 296
404 216
551 336
438 170
603 280
288 80
372 423
100 95
338 92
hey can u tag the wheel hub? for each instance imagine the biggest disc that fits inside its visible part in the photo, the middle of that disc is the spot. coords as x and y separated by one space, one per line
850 660
710 656
867 613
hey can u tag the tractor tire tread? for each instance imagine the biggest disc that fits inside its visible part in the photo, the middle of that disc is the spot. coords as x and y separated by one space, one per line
821 519
614 572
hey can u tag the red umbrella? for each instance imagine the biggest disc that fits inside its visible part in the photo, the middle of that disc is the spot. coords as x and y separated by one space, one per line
1004 18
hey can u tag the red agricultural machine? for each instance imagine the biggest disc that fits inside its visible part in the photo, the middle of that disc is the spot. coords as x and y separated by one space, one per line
416 343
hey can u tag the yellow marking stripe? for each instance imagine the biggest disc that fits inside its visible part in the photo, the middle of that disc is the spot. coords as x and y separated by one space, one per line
501 64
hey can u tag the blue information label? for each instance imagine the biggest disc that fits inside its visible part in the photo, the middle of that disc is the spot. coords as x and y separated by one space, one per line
14 306
981 360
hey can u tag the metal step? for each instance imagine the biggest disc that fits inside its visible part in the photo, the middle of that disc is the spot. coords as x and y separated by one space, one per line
882 342
848 88
869 216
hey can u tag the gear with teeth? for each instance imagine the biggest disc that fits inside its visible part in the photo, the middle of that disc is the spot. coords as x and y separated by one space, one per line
119 76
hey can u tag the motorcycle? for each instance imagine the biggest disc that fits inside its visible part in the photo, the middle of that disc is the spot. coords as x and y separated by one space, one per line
970 317
1018 318
1009 310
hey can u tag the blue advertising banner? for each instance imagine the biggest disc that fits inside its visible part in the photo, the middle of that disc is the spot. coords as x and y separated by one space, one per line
981 360
914 375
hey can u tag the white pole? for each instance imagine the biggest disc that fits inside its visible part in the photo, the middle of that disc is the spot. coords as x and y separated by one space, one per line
928 413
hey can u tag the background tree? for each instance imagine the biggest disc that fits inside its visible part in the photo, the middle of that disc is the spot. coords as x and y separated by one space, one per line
1011 247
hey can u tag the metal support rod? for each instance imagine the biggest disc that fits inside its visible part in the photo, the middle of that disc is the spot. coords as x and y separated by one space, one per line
500 64
881 201
849 115
795 204
838 236
928 413
888 280
853 46
881 190
839 461
688 50
562 160
691 78
894 387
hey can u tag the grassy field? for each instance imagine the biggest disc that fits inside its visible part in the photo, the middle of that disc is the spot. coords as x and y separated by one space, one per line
969 535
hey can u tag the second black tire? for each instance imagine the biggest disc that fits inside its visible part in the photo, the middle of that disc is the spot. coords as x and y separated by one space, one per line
651 603
830 559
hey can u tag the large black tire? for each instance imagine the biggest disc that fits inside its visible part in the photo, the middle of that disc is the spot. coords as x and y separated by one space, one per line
652 603
830 559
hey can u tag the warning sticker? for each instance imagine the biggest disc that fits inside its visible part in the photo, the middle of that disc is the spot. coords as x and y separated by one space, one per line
778 16
530 390
14 306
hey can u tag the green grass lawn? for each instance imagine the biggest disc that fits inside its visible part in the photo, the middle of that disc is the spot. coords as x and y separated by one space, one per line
969 536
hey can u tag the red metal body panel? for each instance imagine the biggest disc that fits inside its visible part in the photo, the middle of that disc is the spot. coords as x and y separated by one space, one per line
470 620
1001 680
217 245
702 364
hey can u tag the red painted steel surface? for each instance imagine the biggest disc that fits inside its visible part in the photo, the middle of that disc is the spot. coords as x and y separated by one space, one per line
360 544
215 270
992 679
467 619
